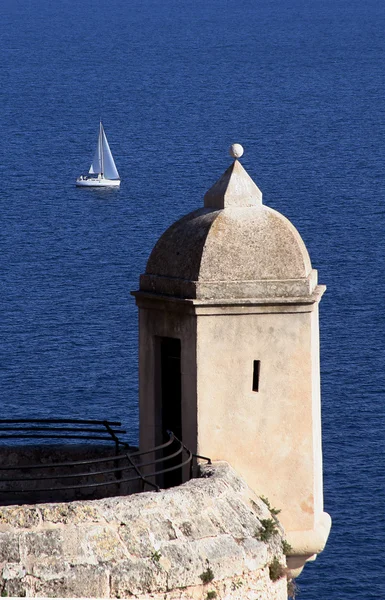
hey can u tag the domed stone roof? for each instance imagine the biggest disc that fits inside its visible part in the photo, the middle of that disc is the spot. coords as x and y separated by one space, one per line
234 247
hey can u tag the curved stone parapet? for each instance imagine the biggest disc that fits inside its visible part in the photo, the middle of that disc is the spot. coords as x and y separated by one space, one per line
182 543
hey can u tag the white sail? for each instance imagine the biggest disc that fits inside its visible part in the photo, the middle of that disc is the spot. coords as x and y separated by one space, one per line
103 162
96 165
110 170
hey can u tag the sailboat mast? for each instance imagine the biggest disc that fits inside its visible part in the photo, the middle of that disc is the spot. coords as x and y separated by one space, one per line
101 147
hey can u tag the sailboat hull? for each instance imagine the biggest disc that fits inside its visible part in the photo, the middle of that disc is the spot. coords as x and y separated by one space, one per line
97 182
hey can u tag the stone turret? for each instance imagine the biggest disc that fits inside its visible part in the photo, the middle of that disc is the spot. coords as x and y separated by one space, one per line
229 350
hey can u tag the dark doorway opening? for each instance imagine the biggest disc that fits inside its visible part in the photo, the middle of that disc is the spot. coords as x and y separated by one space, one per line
171 400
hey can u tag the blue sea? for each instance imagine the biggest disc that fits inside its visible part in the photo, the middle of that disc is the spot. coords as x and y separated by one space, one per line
301 85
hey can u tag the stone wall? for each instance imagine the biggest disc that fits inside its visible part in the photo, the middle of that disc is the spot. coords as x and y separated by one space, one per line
196 541
19 458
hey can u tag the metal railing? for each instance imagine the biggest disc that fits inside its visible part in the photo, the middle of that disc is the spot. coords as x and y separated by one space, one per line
66 429
118 473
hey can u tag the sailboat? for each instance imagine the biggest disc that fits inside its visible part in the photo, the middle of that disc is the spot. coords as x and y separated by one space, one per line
103 171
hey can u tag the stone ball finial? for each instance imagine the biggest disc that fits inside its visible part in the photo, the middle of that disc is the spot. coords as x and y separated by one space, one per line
236 150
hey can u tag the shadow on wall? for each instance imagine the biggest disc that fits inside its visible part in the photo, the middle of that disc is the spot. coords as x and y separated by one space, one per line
46 472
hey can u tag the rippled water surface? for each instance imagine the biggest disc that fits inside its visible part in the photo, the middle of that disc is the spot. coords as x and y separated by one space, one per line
301 86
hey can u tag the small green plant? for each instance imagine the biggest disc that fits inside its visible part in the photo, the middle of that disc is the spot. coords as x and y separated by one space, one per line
208 575
211 594
286 548
276 570
156 556
292 589
274 511
268 530
238 583
4 593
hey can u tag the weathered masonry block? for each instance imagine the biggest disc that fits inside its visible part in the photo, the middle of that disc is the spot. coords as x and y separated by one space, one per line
190 542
